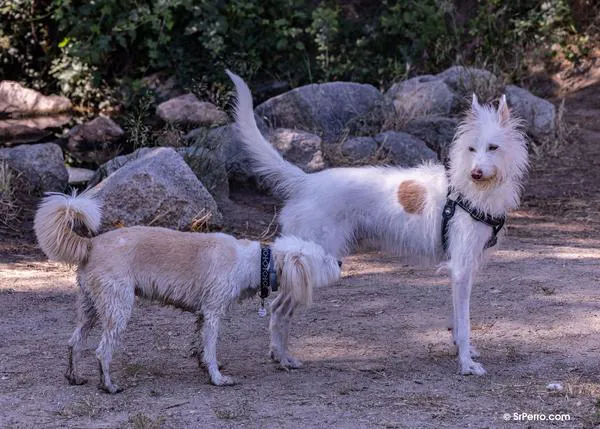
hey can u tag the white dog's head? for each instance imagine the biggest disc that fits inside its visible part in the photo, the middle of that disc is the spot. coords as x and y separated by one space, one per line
302 265
489 152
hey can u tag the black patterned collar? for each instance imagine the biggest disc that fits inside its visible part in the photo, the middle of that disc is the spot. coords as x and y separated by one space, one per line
268 274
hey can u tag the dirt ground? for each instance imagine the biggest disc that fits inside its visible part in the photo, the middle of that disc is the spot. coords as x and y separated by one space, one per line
375 345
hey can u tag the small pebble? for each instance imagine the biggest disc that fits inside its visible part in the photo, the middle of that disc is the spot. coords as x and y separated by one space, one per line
555 387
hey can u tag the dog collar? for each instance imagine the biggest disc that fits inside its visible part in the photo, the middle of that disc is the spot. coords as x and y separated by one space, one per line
496 223
268 274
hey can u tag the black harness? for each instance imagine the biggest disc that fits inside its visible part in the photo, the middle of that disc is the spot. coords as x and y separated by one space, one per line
268 274
450 208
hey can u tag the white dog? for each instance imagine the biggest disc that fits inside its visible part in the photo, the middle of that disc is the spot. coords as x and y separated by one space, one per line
402 208
203 273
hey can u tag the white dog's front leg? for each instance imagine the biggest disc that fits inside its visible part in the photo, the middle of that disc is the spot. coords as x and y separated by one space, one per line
461 295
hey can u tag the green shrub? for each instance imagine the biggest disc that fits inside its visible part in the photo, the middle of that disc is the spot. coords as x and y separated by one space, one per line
87 50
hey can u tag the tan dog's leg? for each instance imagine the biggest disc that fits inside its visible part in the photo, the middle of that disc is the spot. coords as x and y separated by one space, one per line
282 310
86 319
210 334
116 306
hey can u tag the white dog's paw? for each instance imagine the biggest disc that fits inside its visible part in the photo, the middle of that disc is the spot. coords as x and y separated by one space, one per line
471 367
290 362
222 380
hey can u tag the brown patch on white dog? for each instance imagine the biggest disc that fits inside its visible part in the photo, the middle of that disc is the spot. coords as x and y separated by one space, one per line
411 195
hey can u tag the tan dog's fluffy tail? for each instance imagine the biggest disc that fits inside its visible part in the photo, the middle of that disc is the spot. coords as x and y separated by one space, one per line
55 220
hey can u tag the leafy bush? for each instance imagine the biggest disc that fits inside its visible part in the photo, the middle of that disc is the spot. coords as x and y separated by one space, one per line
87 49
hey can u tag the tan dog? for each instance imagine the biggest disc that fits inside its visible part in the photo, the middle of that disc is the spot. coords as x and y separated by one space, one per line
203 273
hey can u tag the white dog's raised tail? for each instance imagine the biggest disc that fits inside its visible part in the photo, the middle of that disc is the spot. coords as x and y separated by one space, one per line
269 163
54 223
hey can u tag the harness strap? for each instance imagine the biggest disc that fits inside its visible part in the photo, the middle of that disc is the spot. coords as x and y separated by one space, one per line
496 223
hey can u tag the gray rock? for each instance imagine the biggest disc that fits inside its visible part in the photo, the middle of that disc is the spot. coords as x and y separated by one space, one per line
437 133
16 100
95 141
299 147
13 135
209 168
539 114
109 167
29 130
227 146
465 81
80 176
157 189
188 110
404 150
417 97
357 149
42 165
331 110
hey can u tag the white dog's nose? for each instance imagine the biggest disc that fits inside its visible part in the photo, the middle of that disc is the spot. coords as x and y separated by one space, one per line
476 173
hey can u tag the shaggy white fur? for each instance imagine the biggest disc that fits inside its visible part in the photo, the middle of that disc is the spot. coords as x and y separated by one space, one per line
401 208
202 273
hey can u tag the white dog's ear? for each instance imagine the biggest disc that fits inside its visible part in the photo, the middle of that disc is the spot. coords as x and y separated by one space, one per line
296 278
475 106
503 110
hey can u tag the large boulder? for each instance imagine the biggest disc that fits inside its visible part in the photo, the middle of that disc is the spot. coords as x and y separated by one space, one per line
204 162
299 147
465 81
331 110
417 97
437 133
188 110
109 167
42 165
539 114
157 189
96 141
16 100
402 149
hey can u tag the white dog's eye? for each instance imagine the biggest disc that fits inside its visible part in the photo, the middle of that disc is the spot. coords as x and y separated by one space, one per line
492 147
471 149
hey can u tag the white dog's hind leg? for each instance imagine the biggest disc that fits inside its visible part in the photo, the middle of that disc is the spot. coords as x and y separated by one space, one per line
282 310
461 294
210 334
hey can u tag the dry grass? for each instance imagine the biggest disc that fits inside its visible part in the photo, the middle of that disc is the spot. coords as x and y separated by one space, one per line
201 222
565 133
142 421
10 210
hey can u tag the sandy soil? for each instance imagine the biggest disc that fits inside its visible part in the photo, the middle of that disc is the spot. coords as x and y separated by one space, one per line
375 345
